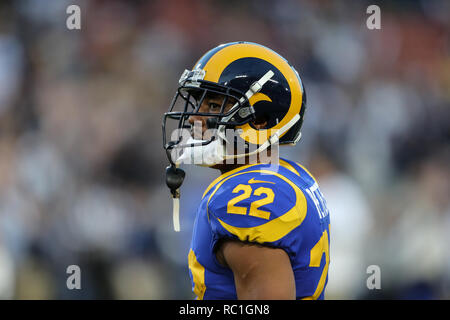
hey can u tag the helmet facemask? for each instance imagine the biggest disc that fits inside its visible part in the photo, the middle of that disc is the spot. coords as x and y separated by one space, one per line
192 92
235 110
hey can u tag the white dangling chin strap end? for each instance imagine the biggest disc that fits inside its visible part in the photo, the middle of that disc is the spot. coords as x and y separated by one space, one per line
176 214
174 179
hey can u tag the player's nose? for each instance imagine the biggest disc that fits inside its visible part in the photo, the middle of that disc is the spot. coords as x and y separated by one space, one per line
198 126
198 121
195 120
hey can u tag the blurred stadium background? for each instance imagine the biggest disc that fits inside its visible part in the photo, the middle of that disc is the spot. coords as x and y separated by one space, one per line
82 167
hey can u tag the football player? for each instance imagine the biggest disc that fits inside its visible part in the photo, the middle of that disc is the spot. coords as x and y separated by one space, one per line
262 228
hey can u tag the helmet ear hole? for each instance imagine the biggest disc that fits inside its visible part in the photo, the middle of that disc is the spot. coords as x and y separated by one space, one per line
260 122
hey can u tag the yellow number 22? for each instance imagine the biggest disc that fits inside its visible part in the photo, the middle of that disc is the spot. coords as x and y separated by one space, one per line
254 207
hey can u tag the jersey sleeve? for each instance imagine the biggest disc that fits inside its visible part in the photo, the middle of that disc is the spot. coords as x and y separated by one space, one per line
257 208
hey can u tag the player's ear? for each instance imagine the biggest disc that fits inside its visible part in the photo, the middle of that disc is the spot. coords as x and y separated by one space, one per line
260 122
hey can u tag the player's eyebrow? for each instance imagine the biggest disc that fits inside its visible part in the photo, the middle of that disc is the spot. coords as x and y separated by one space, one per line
213 97
219 99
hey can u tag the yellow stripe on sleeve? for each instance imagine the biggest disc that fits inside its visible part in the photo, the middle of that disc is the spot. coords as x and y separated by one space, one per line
288 166
198 275
307 171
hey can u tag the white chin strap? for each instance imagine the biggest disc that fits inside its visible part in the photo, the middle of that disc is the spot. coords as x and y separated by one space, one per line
176 214
272 140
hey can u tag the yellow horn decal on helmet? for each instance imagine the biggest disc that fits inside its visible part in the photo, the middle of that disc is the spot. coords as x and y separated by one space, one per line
259 97
246 127
217 64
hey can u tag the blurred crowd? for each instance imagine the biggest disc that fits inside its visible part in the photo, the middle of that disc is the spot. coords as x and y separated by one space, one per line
81 158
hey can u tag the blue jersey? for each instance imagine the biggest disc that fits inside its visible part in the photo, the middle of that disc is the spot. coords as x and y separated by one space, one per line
277 206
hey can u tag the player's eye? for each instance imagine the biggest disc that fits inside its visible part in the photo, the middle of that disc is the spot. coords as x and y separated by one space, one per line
214 107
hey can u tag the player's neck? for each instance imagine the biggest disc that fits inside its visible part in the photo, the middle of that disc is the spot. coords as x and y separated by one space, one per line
224 168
